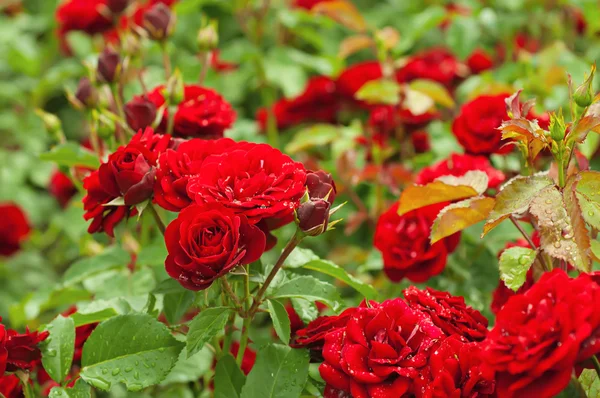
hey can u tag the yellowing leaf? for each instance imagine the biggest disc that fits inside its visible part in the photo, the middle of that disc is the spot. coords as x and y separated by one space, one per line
473 178
417 196
434 90
316 135
588 195
343 12
585 125
580 234
417 102
354 44
458 216
382 91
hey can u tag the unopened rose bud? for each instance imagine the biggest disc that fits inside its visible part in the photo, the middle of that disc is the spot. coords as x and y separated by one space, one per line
584 96
557 126
106 127
117 6
140 113
321 185
86 93
175 89
52 124
208 37
131 44
159 22
313 216
109 65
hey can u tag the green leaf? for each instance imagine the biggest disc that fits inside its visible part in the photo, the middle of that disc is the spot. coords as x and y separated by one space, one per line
59 347
175 305
514 264
434 90
190 369
313 136
334 270
590 382
229 378
299 257
205 326
79 390
381 91
463 36
281 320
588 196
279 372
136 350
71 154
99 310
112 257
306 310
309 288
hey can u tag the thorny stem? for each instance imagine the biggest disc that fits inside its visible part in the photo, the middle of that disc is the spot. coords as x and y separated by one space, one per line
547 267
157 219
227 288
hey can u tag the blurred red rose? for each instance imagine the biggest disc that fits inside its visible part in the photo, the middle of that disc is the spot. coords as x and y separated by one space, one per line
249 357
308 4
136 19
476 127
458 165
355 76
420 141
379 352
436 64
257 181
404 243
313 335
220 65
82 15
62 188
479 61
19 351
10 386
140 113
14 228
449 313
537 336
318 103
203 113
207 241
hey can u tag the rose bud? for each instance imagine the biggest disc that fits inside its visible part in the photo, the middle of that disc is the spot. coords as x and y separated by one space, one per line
313 217
117 6
140 113
86 93
109 64
159 22
208 37
584 95
320 185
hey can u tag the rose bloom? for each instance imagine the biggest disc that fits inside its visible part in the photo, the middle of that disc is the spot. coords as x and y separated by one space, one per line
308 4
207 241
62 188
19 351
405 246
355 76
455 371
379 352
449 313
220 65
318 103
14 228
479 61
436 64
458 165
10 386
537 337
257 181
84 16
313 335
202 113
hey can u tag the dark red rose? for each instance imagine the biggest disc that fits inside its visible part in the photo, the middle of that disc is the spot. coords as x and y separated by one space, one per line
158 21
257 181
379 352
538 334
220 65
476 127
449 313
313 336
19 351
318 103
84 16
435 64
207 241
458 165
455 371
117 6
140 113
137 18
109 65
176 167
320 185
313 216
355 76
249 357
86 93
479 61
523 42
10 386
420 141
14 228
308 4
404 243
203 113
579 19
62 188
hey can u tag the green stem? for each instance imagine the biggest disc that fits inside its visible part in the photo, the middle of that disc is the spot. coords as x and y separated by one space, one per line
166 59
596 364
247 318
229 332
171 121
204 60
120 112
547 266
217 346
229 291
157 219
27 389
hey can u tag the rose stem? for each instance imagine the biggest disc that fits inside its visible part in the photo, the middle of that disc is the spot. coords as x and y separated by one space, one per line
596 364
227 288
157 219
528 239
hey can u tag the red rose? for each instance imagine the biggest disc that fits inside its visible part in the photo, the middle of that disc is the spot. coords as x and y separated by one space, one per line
207 241
257 181
176 167
82 15
308 4
435 64
10 386
136 19
219 65
14 228
19 351
449 313
404 243
249 357
379 352
62 188
355 76
140 113
476 127
455 370
537 337
591 345
458 165
203 113
313 336
385 119
420 141
479 61
318 103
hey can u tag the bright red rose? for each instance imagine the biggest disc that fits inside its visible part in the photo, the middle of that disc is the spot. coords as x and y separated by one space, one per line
19 351
404 243
458 165
435 64
318 103
355 76
207 241
14 228
308 4
479 61
136 19
591 345
476 127
82 15
379 352
455 371
10 386
62 188
203 113
420 141
313 335
176 167
538 334
257 181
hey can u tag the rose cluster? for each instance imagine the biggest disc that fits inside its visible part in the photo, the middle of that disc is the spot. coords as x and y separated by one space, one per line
427 345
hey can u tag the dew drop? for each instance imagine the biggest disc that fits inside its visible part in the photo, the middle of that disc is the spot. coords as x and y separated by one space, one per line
116 371
104 371
128 369
557 244
51 353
